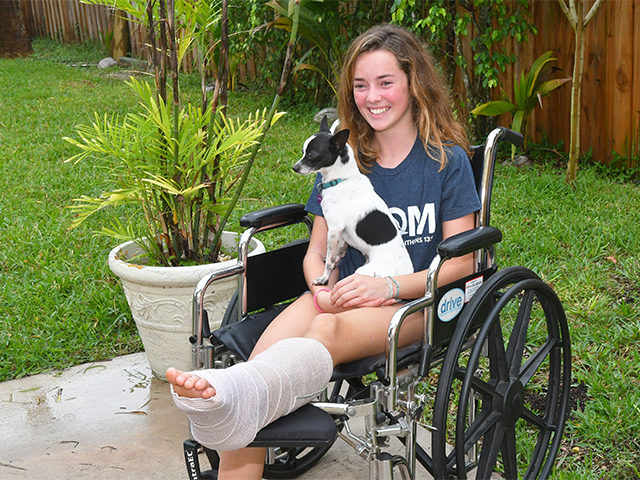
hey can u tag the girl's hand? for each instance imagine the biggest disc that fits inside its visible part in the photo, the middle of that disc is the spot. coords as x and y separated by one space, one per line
357 291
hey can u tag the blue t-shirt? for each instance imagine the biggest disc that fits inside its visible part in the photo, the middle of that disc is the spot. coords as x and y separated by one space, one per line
420 198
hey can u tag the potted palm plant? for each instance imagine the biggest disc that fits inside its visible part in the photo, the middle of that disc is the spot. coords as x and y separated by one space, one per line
177 170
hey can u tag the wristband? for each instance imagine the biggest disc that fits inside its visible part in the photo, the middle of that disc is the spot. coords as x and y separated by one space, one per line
397 288
390 288
315 298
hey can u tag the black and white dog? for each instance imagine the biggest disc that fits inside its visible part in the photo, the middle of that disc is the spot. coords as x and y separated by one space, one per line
354 212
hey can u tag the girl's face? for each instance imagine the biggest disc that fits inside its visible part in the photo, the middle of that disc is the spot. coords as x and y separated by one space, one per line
381 92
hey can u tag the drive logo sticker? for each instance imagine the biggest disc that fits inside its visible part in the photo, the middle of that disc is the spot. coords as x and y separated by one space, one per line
450 304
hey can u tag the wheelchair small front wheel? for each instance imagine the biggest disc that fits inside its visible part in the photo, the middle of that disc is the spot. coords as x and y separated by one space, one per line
287 462
293 462
502 403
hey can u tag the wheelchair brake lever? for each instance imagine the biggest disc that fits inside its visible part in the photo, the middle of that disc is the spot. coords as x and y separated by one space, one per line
426 354
206 331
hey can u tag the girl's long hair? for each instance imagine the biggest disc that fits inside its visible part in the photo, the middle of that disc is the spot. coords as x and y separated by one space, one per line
431 103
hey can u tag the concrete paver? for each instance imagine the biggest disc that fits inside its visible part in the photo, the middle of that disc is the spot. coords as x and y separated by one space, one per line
100 420
110 420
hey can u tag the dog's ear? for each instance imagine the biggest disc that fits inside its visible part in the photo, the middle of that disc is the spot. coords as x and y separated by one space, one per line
324 124
340 139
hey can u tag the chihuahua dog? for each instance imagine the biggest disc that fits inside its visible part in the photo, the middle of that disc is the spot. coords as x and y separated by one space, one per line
354 212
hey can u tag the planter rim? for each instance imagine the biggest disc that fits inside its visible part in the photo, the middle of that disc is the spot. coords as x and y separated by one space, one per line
180 276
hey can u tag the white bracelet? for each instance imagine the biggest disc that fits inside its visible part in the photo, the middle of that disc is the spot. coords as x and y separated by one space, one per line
389 288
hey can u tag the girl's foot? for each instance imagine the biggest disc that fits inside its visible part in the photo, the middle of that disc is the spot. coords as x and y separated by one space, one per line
189 385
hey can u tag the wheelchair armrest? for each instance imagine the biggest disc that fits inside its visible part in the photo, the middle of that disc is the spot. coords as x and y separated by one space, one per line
280 214
469 241
511 136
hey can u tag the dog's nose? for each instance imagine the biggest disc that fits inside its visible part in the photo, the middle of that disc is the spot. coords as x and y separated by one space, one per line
297 167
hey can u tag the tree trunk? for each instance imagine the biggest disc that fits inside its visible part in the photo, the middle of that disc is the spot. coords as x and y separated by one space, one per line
576 90
14 41
575 13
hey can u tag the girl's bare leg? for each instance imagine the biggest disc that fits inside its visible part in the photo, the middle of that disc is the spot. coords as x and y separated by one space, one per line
292 322
242 464
360 333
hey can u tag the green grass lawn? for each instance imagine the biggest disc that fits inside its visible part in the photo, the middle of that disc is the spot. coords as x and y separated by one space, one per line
61 306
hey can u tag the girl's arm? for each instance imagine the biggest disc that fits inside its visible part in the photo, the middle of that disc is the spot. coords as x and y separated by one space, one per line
313 265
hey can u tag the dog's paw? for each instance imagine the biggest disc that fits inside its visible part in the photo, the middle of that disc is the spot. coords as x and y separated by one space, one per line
321 281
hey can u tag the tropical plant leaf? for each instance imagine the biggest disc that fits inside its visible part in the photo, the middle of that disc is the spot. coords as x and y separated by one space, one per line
172 187
537 67
313 68
496 107
547 87
518 119
176 164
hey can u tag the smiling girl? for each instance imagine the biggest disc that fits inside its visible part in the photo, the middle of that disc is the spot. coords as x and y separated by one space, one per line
408 142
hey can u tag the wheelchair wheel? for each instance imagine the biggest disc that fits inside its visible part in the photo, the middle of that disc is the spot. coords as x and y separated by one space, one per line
287 462
292 462
501 404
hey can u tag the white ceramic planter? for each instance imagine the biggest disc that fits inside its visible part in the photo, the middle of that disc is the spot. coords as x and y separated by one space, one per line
160 299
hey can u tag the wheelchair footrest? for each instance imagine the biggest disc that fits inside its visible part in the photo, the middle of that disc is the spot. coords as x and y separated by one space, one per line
306 427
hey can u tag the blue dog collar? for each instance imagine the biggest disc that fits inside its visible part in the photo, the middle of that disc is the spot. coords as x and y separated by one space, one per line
325 185
332 183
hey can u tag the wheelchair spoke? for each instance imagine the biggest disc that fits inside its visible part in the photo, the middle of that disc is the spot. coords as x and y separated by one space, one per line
509 453
490 450
534 362
536 420
498 367
519 334
480 427
484 388
459 372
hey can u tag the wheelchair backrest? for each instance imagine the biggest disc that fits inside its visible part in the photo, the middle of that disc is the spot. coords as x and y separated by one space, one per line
275 276
477 165
480 165
451 298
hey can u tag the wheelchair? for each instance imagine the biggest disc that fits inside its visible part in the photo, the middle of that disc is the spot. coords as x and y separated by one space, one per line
488 384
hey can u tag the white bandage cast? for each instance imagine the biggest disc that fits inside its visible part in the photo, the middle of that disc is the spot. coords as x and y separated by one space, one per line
253 394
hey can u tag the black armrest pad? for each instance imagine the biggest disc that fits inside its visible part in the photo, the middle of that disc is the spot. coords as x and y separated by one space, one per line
469 241
290 213
512 137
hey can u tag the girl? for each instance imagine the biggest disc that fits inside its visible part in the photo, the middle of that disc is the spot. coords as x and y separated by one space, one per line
411 147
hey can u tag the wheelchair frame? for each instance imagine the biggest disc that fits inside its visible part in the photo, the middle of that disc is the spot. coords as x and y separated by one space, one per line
394 407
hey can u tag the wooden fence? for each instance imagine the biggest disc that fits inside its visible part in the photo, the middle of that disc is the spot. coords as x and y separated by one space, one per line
70 21
610 109
610 106
66 20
